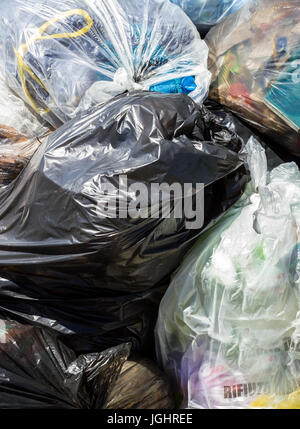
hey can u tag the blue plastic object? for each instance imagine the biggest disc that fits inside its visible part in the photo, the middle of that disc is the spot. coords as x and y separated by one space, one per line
184 85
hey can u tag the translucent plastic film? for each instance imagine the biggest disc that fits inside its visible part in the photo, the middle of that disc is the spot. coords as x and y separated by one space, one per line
63 57
207 13
16 118
255 62
15 153
20 133
228 327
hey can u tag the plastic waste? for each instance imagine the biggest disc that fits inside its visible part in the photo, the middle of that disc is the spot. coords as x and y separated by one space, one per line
207 13
15 153
255 63
228 120
228 326
69 260
20 133
38 371
64 57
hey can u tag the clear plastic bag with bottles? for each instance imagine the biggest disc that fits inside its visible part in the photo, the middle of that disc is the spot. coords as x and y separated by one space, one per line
228 331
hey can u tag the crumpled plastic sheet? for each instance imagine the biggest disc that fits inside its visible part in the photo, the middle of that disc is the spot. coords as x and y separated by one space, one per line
64 57
38 371
228 326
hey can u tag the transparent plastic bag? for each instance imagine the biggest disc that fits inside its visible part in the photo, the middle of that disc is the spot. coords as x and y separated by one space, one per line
228 326
207 13
255 62
64 57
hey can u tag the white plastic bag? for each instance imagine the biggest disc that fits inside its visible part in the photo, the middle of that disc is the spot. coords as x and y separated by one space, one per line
64 57
228 326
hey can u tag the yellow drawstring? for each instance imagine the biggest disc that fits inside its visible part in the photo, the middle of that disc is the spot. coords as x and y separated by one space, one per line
22 67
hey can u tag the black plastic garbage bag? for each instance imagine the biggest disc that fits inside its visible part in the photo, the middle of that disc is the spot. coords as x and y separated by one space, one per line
228 119
38 371
65 262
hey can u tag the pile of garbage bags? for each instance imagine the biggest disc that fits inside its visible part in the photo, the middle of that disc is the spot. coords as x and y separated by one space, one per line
228 326
255 63
62 237
135 193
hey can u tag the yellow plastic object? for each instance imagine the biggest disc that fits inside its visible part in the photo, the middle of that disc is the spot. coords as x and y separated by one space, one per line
291 402
24 68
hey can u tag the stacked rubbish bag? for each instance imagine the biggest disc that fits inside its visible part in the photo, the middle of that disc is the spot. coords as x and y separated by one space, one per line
228 326
71 268
255 65
119 161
